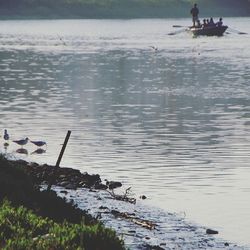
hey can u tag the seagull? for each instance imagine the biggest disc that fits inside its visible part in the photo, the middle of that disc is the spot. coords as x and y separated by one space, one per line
6 135
60 38
22 142
39 143
154 48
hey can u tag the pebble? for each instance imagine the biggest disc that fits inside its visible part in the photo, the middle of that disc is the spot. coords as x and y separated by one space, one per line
211 231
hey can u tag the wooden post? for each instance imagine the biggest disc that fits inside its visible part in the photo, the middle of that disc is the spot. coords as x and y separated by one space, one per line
59 160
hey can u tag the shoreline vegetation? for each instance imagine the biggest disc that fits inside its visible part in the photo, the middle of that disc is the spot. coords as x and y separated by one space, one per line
35 219
111 9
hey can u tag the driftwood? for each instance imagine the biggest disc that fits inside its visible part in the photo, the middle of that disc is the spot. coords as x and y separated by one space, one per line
138 221
123 197
144 223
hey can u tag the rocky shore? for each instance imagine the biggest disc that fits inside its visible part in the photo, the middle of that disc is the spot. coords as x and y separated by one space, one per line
68 178
141 227
34 218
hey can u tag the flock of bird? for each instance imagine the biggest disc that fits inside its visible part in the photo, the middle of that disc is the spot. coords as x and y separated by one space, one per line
22 142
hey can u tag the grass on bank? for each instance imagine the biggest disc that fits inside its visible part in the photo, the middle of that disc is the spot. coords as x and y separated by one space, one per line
22 229
31 219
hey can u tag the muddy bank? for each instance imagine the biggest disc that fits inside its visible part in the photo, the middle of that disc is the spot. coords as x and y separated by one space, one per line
166 230
140 226
68 178
35 219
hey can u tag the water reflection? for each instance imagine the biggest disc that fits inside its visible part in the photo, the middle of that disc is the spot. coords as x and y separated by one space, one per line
22 151
141 106
39 151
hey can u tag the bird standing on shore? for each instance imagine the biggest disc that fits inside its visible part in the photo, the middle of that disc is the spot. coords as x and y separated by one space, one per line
6 136
39 143
22 142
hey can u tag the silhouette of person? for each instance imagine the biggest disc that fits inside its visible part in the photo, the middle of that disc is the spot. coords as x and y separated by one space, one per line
198 24
204 23
194 12
211 22
219 23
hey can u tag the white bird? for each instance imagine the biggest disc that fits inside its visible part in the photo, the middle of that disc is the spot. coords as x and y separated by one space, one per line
39 143
22 142
6 135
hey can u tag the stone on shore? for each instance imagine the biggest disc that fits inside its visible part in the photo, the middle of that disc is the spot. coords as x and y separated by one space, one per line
211 231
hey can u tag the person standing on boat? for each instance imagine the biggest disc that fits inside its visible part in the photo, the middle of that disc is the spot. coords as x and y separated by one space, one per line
194 12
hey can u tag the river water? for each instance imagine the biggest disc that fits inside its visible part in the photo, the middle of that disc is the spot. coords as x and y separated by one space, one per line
173 123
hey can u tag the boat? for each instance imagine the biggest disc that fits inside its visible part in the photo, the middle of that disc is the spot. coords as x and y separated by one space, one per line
208 31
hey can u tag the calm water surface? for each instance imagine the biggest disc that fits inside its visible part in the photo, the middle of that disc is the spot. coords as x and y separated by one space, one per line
173 124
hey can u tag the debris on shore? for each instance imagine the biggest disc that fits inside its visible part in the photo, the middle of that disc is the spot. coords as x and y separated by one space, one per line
32 218
140 226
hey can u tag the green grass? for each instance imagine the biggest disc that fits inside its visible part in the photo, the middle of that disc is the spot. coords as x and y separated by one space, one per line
31 219
22 229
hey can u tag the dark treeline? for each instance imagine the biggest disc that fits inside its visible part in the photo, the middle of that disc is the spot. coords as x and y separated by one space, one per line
119 8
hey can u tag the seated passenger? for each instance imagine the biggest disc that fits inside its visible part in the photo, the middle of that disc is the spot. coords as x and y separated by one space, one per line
219 23
198 24
204 23
211 22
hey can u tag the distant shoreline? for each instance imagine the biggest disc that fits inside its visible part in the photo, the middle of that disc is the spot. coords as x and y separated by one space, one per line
21 18
122 11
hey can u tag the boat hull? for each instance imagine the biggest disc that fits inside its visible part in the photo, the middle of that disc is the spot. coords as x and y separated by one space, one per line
208 31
